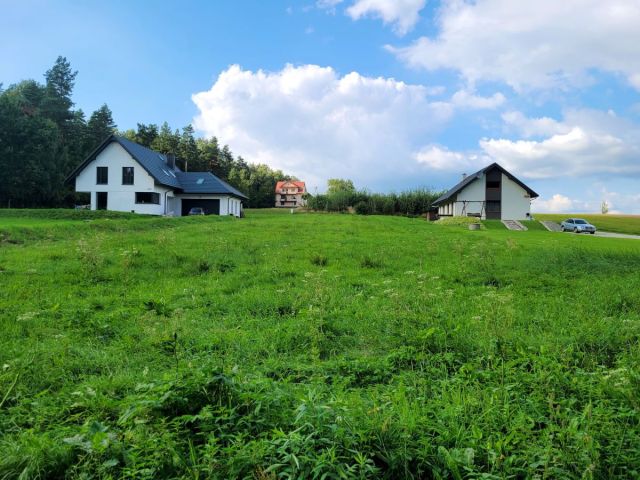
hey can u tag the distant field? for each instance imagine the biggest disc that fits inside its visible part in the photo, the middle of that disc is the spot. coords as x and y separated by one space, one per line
314 346
609 223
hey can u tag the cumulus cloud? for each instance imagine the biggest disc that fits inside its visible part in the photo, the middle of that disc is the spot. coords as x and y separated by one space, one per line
312 122
542 44
556 204
533 127
586 142
401 14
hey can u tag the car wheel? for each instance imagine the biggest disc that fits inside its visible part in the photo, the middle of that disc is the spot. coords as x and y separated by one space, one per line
575 230
592 233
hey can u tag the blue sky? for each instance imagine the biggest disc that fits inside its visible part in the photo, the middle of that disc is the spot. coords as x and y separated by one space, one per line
391 93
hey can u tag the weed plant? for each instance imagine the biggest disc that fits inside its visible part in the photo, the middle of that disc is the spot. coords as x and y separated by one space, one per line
315 346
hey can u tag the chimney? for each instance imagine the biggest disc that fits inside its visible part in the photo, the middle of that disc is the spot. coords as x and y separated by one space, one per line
171 161
464 175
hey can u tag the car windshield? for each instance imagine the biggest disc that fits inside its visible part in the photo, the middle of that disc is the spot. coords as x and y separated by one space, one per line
579 222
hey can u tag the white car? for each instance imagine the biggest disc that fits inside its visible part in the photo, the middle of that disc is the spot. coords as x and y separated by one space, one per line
577 225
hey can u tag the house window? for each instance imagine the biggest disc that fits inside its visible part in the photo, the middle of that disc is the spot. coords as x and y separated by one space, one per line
127 175
493 184
102 175
148 197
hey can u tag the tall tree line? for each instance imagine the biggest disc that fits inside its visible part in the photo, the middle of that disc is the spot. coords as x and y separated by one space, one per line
43 138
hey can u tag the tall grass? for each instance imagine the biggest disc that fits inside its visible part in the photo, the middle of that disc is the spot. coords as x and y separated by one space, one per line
316 346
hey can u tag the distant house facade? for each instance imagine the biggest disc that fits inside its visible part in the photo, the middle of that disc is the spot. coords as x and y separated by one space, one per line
290 193
124 176
490 193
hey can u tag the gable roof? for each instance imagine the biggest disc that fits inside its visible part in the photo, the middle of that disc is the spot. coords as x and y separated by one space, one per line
297 183
155 164
473 177
205 182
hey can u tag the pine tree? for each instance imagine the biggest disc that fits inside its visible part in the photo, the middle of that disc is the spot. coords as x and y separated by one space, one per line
60 80
188 149
146 134
99 127
166 141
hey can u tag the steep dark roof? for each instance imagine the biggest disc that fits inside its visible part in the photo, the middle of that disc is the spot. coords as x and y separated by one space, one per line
473 177
205 182
155 164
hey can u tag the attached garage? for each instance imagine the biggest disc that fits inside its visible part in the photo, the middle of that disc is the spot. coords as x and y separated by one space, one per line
210 206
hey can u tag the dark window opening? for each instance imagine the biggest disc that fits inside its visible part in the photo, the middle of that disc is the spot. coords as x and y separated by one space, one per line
493 184
148 197
102 175
127 175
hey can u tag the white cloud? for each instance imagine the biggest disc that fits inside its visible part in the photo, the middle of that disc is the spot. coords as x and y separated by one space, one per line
467 99
328 5
402 14
533 127
316 124
541 44
586 142
556 204
440 158
618 202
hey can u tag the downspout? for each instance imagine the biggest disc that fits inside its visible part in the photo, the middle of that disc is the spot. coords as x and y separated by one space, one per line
165 202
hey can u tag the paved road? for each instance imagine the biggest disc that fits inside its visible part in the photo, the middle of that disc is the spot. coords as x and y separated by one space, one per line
608 235
616 235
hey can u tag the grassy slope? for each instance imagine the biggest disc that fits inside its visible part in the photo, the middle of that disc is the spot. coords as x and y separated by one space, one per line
305 344
608 223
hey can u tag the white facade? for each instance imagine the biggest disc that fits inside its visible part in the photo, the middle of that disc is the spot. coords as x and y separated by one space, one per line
516 202
470 200
122 198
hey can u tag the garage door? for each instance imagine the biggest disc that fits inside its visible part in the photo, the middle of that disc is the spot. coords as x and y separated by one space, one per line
211 207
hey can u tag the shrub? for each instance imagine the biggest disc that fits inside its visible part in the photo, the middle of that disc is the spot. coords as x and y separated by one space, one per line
363 208
319 260
412 202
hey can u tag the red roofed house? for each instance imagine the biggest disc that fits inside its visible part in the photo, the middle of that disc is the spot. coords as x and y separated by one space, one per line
289 193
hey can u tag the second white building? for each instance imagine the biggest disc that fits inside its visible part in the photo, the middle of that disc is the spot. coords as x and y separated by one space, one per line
490 193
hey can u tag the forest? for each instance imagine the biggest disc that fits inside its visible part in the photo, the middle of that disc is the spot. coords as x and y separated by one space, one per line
43 137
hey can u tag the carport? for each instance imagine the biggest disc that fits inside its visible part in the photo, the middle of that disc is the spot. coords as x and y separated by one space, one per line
210 206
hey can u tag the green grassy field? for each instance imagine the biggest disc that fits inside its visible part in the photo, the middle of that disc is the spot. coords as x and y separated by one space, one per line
314 346
608 223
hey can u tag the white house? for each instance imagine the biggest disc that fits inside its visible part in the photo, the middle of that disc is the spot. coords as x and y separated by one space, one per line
125 176
490 193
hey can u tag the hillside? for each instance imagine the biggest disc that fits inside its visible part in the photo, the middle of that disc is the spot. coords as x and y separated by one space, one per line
297 346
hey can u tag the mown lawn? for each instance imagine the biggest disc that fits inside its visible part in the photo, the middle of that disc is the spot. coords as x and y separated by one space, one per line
609 222
315 346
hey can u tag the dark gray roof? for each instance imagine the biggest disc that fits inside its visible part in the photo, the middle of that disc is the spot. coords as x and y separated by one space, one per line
205 182
473 177
155 164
